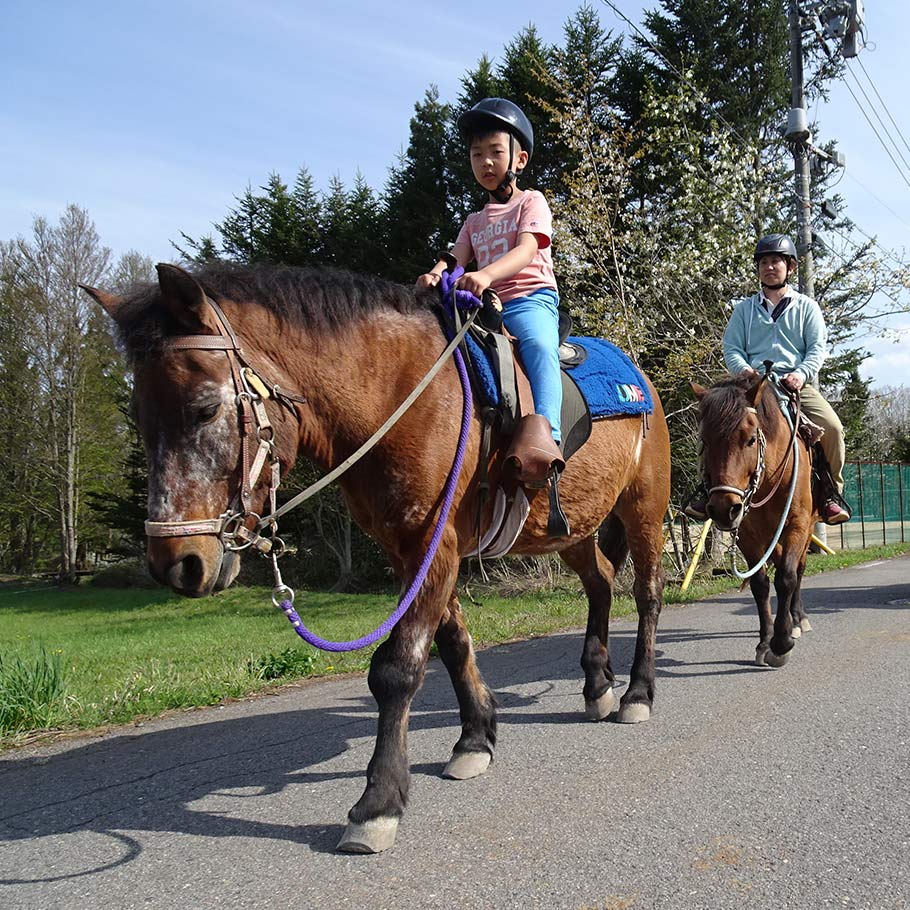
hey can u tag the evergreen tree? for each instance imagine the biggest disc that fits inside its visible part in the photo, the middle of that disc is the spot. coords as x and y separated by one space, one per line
418 211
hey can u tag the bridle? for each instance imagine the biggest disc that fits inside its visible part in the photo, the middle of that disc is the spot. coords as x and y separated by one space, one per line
748 494
755 480
257 445
251 391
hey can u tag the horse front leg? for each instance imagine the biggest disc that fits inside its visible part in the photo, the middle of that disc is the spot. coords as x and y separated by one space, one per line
596 572
786 584
761 591
397 669
477 706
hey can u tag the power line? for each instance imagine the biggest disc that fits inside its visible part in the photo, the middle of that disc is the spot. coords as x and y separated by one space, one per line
878 117
872 125
746 145
876 198
856 246
885 106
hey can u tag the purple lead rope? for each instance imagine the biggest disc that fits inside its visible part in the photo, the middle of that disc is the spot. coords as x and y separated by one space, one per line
287 605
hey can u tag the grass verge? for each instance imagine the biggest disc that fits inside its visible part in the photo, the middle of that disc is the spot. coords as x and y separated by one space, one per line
89 657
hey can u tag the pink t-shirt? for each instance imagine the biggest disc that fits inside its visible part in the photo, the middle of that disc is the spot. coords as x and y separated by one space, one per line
494 230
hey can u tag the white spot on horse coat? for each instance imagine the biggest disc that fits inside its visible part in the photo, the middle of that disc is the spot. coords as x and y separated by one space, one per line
193 478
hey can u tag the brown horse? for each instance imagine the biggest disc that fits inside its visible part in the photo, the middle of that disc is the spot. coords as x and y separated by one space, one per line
347 350
750 455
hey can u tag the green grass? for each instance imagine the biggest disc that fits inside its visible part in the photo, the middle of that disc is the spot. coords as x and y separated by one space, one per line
32 691
112 656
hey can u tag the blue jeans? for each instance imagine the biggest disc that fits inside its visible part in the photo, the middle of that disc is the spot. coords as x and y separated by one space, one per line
534 321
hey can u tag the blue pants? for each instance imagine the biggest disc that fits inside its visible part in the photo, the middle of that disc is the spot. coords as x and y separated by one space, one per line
534 321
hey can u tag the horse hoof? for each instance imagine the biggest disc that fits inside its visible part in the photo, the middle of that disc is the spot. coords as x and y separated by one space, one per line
796 632
760 653
805 625
633 713
600 708
775 660
465 765
371 836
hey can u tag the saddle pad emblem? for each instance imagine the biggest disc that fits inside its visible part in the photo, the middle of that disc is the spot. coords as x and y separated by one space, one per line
628 392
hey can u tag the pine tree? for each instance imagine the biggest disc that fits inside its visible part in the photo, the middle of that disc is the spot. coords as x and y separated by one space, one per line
417 206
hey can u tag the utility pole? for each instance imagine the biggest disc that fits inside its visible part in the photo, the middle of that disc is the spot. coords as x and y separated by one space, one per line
798 136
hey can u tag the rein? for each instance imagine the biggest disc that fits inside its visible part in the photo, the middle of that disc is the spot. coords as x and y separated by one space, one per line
753 486
251 392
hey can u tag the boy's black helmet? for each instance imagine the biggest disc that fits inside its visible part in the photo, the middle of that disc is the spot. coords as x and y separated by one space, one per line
776 243
498 114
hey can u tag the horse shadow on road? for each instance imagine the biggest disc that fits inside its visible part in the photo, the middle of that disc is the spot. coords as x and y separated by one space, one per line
152 779
158 777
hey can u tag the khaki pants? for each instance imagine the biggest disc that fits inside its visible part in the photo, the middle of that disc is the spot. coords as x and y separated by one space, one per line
820 412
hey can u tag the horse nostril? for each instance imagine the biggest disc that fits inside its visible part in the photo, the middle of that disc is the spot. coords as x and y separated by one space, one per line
735 511
186 574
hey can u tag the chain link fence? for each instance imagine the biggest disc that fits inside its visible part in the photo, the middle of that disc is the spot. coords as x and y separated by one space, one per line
879 495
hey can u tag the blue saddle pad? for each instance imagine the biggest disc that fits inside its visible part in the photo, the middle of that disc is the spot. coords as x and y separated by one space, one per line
609 381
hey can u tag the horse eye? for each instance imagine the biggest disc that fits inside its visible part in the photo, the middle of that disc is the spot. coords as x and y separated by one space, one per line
207 413
751 441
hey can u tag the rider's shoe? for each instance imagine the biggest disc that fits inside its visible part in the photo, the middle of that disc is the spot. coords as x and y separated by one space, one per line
834 514
697 507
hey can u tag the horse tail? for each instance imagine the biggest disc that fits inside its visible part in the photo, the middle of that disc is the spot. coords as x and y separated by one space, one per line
613 541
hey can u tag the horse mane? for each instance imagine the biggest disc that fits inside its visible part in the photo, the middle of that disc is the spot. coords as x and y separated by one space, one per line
318 299
721 409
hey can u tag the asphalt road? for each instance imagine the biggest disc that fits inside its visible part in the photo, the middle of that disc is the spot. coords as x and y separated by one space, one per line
749 787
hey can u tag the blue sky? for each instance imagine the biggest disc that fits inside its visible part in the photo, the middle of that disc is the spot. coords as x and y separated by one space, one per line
153 116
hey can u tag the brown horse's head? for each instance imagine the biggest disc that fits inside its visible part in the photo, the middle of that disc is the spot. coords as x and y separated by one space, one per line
193 399
739 416
185 405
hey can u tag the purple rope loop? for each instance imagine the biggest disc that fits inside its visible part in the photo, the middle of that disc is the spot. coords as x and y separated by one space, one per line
464 300
287 605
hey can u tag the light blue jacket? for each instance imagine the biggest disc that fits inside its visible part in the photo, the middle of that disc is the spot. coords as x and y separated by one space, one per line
796 342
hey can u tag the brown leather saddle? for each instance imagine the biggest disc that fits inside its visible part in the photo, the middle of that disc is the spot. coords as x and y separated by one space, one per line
532 458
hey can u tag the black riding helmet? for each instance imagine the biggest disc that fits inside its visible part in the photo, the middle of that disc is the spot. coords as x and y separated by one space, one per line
493 114
780 244
776 243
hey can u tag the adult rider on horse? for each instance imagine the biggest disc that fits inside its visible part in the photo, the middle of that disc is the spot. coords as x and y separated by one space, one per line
781 325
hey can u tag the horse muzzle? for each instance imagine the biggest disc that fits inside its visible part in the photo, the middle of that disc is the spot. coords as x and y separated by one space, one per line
191 567
726 510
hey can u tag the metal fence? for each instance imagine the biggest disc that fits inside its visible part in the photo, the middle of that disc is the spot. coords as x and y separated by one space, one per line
879 495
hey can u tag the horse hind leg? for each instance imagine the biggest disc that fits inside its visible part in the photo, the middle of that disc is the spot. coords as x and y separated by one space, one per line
597 571
797 611
477 706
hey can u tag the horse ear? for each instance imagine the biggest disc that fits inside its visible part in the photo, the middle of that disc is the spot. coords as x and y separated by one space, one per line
698 390
110 302
755 392
185 300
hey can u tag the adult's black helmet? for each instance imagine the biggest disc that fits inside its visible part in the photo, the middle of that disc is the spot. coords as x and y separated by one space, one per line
498 114
775 243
